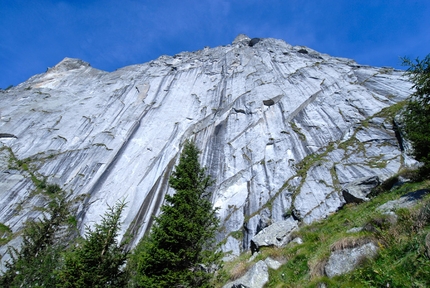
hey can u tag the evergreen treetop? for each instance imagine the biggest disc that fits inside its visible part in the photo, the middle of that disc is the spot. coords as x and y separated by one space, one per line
43 241
181 244
98 259
417 114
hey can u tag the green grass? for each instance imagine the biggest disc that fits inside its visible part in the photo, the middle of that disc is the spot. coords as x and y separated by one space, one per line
401 262
5 234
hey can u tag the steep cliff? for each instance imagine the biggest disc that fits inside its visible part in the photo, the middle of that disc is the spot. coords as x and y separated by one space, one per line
281 128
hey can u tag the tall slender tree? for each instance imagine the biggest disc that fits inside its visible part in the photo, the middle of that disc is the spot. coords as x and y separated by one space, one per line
417 114
181 245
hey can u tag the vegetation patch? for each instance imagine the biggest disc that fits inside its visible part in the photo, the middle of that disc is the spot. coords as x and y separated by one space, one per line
299 132
237 235
402 249
5 234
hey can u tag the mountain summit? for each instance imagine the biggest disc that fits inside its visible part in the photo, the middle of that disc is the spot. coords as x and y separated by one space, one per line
283 130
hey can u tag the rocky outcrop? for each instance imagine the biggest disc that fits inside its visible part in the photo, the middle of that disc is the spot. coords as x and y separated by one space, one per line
281 131
406 201
256 277
346 260
357 190
275 235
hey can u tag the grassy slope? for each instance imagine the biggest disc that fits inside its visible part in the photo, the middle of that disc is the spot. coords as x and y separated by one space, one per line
401 262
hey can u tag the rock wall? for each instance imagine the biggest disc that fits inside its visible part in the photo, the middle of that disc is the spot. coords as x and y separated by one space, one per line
282 129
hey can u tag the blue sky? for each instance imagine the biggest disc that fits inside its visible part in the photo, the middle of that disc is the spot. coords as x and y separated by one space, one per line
110 34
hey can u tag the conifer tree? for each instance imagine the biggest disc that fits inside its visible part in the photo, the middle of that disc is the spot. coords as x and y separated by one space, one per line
43 241
417 115
98 259
181 245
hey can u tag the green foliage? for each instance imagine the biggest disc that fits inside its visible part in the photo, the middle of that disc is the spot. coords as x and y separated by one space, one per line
417 115
419 74
296 268
33 265
299 132
402 260
98 259
5 233
417 120
180 247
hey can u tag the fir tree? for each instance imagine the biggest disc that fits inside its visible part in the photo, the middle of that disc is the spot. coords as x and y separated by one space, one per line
43 241
98 259
181 245
417 115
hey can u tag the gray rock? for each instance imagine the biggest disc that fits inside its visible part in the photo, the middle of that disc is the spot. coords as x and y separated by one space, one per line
277 234
354 230
231 248
272 263
256 277
346 260
118 135
406 201
356 191
297 240
241 39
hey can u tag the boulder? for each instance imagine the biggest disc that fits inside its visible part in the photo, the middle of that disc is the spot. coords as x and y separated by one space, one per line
406 201
297 240
277 234
356 191
354 230
272 263
256 277
346 260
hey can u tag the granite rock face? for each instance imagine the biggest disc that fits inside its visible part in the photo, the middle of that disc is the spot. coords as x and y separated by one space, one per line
281 131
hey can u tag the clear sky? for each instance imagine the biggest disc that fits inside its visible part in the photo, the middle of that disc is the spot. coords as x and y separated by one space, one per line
110 34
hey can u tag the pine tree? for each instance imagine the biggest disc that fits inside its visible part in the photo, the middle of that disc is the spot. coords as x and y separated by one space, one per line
43 241
417 115
181 244
98 259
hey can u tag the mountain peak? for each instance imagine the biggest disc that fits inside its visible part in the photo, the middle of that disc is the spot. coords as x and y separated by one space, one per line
280 128
68 64
241 38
